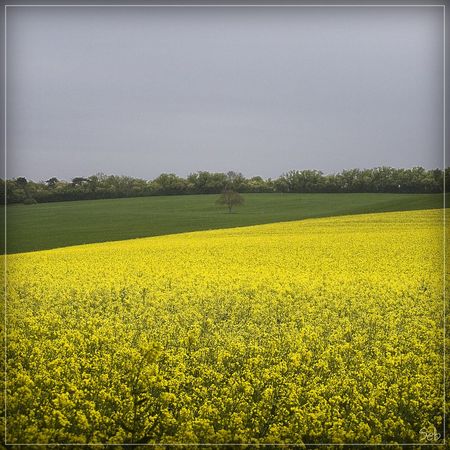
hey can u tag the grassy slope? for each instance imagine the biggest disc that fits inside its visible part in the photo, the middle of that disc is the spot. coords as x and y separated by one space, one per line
50 225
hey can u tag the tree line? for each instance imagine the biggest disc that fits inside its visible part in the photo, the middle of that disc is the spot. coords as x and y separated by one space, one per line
101 186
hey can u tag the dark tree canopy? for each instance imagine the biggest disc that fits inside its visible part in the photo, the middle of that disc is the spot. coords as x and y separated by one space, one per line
78 180
52 182
21 181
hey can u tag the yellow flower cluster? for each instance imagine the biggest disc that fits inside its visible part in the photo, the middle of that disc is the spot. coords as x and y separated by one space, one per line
317 331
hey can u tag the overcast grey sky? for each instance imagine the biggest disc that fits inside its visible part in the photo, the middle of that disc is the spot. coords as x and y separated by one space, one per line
141 91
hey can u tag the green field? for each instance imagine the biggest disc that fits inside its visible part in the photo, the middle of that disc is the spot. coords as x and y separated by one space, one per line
51 225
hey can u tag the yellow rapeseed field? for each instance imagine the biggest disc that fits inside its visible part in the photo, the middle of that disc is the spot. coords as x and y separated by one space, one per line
316 331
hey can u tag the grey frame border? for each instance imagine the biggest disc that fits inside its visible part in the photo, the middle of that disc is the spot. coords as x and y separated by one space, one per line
225 4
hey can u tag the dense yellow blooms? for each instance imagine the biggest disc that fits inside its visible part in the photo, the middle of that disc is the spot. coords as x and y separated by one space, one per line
316 331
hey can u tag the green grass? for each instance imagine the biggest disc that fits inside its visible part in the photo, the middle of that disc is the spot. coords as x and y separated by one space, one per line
50 225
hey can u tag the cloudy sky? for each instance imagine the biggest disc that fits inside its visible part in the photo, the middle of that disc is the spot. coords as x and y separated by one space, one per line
145 90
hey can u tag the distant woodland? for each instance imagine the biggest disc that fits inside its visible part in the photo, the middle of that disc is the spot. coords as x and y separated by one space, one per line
100 186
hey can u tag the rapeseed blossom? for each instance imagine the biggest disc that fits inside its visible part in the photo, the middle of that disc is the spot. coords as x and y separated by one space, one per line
316 331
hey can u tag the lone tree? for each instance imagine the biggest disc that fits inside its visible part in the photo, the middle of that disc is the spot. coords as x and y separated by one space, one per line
230 198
